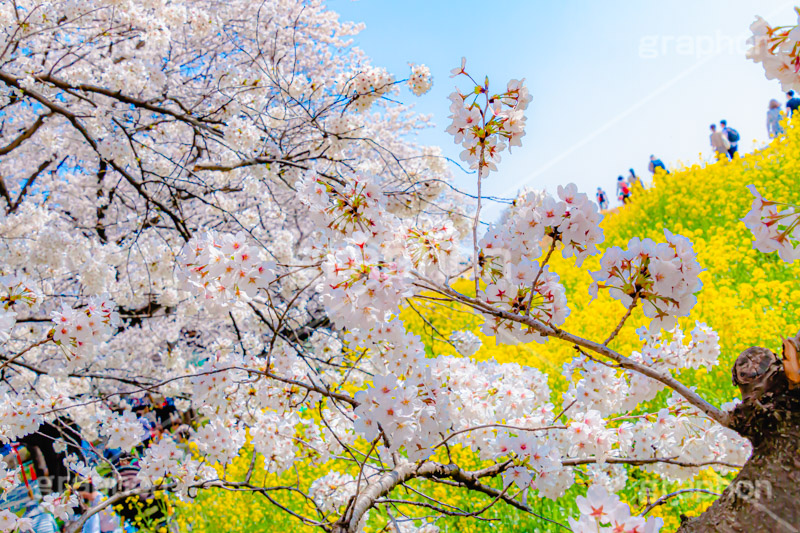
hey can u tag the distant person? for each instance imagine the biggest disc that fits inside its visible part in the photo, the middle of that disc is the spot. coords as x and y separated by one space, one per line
719 142
623 190
633 179
792 103
774 117
733 137
656 163
602 199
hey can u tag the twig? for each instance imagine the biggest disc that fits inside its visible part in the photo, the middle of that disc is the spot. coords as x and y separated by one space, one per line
623 320
564 410
538 275
23 352
501 426
662 500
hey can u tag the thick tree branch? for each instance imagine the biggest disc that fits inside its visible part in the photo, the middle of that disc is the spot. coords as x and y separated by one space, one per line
28 182
386 482
118 95
551 331
25 135
73 119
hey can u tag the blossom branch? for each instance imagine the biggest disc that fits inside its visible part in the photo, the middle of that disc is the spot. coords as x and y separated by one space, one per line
625 362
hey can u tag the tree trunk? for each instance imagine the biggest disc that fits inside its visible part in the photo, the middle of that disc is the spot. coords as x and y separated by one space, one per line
765 496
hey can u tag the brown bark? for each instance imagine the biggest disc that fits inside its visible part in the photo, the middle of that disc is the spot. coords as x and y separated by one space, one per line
765 496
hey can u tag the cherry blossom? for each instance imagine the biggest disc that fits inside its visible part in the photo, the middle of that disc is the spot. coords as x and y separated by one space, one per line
603 511
222 271
776 49
420 80
485 124
122 431
664 277
774 229
332 491
466 342
79 331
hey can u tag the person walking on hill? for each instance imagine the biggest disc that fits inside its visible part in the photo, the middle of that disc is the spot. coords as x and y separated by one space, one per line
792 103
774 117
602 199
623 190
633 179
733 137
719 142
656 163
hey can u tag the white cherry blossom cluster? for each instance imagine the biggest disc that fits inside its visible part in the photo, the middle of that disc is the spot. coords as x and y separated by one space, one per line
360 290
122 431
481 393
160 460
432 247
220 440
608 390
420 80
18 417
534 457
332 491
81 330
8 477
401 413
666 353
272 434
83 471
369 85
525 290
538 220
243 134
466 342
612 477
664 277
355 207
339 130
392 348
16 293
679 430
165 459
284 362
216 378
485 124
8 320
11 522
603 389
777 51
589 436
60 505
223 271
676 431
601 511
399 352
774 230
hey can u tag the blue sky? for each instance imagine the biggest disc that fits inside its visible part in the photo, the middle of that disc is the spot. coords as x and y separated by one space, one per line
612 82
